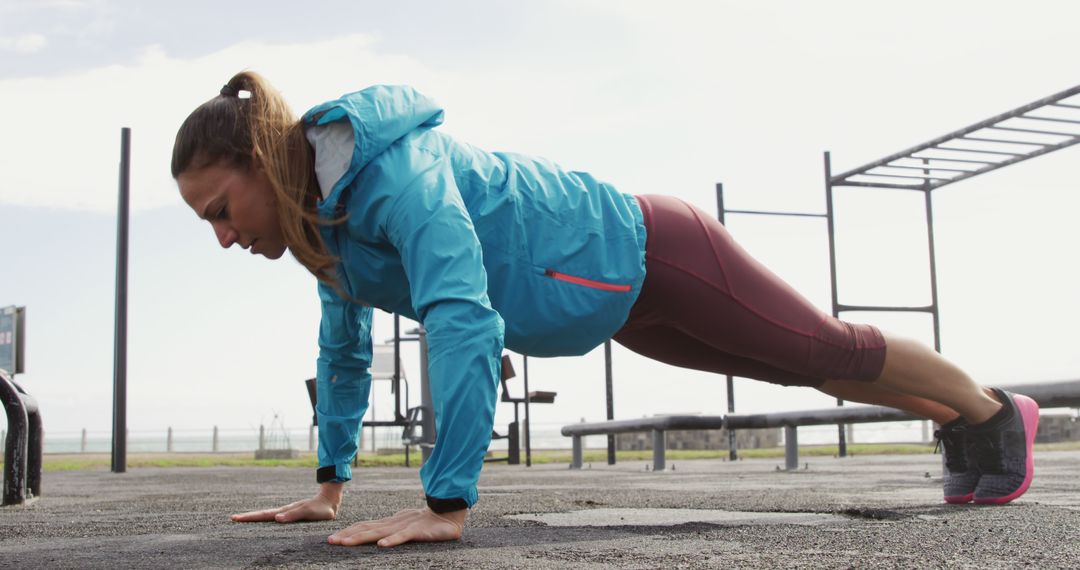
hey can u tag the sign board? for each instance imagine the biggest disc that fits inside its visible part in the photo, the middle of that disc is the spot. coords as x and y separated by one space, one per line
12 339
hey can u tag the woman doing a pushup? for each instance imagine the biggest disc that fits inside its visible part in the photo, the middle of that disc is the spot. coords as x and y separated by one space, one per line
492 250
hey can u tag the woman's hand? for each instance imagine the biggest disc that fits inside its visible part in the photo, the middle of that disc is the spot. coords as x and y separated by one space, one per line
421 525
322 507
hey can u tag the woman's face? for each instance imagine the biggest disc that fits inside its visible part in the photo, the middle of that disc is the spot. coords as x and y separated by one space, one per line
239 204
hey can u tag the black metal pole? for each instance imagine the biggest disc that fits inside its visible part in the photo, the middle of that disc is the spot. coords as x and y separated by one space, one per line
119 436
397 369
720 210
733 453
830 217
528 434
16 444
427 416
610 403
933 263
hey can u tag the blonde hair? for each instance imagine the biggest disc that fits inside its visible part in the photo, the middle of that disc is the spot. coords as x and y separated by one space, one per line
249 125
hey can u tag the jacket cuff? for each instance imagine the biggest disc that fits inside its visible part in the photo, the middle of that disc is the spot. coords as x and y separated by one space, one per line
334 473
445 505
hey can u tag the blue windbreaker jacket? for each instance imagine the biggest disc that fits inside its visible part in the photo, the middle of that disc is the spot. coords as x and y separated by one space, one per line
485 249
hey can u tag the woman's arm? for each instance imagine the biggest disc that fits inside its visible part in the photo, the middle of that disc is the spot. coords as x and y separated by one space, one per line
428 224
426 221
343 382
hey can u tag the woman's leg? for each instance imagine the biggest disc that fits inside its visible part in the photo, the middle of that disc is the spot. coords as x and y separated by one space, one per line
915 369
710 305
873 393
676 348
703 284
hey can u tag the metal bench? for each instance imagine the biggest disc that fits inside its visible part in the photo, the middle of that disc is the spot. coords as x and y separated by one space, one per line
1048 395
658 425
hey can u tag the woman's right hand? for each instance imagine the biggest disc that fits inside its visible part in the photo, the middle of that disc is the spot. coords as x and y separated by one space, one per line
322 507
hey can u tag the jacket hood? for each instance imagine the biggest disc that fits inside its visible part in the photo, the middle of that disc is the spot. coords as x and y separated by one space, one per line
379 116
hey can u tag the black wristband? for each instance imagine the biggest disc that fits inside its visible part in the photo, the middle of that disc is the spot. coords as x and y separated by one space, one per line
445 505
324 474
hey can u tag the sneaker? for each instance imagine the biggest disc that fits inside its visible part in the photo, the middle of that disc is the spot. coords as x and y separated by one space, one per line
1002 449
960 476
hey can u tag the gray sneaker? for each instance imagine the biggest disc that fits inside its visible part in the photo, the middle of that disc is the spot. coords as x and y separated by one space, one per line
1003 451
959 474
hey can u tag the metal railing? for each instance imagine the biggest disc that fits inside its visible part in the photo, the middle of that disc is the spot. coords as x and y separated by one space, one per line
22 448
1064 394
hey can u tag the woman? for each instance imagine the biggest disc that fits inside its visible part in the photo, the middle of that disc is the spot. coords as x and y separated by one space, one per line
494 250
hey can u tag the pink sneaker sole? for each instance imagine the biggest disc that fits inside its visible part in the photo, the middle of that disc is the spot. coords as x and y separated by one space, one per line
1029 411
960 499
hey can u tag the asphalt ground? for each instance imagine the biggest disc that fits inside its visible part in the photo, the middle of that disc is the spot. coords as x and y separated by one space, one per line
857 512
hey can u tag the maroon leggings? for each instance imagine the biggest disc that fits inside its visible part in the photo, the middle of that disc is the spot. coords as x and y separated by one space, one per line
707 304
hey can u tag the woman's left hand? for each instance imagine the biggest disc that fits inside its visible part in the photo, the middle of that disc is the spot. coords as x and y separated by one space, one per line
421 525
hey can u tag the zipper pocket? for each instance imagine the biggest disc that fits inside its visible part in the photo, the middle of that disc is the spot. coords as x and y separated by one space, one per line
586 282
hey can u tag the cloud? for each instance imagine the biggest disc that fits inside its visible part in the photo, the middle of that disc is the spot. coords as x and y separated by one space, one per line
25 43
62 148
63 133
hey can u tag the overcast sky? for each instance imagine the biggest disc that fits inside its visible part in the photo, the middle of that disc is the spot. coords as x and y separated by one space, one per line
653 97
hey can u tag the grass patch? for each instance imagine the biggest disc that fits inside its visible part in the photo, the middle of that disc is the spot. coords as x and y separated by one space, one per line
102 461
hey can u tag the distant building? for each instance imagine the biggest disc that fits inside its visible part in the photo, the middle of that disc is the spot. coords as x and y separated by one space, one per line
708 439
1057 427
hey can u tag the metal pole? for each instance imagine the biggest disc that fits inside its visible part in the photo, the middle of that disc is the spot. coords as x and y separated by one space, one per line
720 210
168 441
733 443
311 437
215 442
82 444
733 452
610 403
791 447
35 442
427 416
16 443
830 218
119 447
262 437
658 449
576 458
933 262
528 434
397 369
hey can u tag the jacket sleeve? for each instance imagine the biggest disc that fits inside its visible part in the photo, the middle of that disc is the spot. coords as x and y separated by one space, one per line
343 382
429 226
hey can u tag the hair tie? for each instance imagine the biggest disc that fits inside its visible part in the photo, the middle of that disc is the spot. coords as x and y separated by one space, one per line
228 91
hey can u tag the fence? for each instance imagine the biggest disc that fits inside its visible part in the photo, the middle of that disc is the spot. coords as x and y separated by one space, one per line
225 440
545 435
